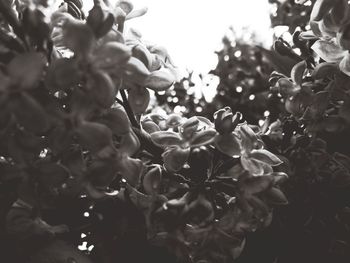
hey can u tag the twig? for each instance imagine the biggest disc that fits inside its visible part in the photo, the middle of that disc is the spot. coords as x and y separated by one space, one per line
147 144
128 109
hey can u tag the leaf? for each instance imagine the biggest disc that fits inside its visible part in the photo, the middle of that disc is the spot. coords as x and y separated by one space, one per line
30 114
276 197
166 138
112 55
139 98
27 69
94 136
324 70
62 74
152 179
160 80
328 51
175 157
202 138
297 72
101 88
265 156
228 144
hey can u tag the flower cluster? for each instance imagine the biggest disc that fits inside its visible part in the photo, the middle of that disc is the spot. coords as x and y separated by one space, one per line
73 93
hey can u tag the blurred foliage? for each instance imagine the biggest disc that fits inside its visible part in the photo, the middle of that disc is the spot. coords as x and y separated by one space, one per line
291 13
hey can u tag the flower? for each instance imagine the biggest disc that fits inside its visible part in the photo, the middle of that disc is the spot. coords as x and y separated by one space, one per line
192 133
329 21
225 123
254 158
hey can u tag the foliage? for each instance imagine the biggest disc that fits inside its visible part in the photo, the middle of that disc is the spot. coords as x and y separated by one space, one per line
83 166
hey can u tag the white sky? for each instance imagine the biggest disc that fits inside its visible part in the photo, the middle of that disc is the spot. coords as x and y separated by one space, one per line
192 30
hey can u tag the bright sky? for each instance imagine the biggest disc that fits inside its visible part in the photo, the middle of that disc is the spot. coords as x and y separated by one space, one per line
192 30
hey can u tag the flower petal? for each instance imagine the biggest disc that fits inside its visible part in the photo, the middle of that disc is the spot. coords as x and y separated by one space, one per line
117 120
131 169
63 73
112 55
175 157
152 179
129 144
94 136
139 98
160 80
166 138
203 138
101 88
78 37
344 64
328 51
265 156
30 114
228 144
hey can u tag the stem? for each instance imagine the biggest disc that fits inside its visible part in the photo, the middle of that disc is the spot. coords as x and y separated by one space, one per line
145 138
128 109
148 145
